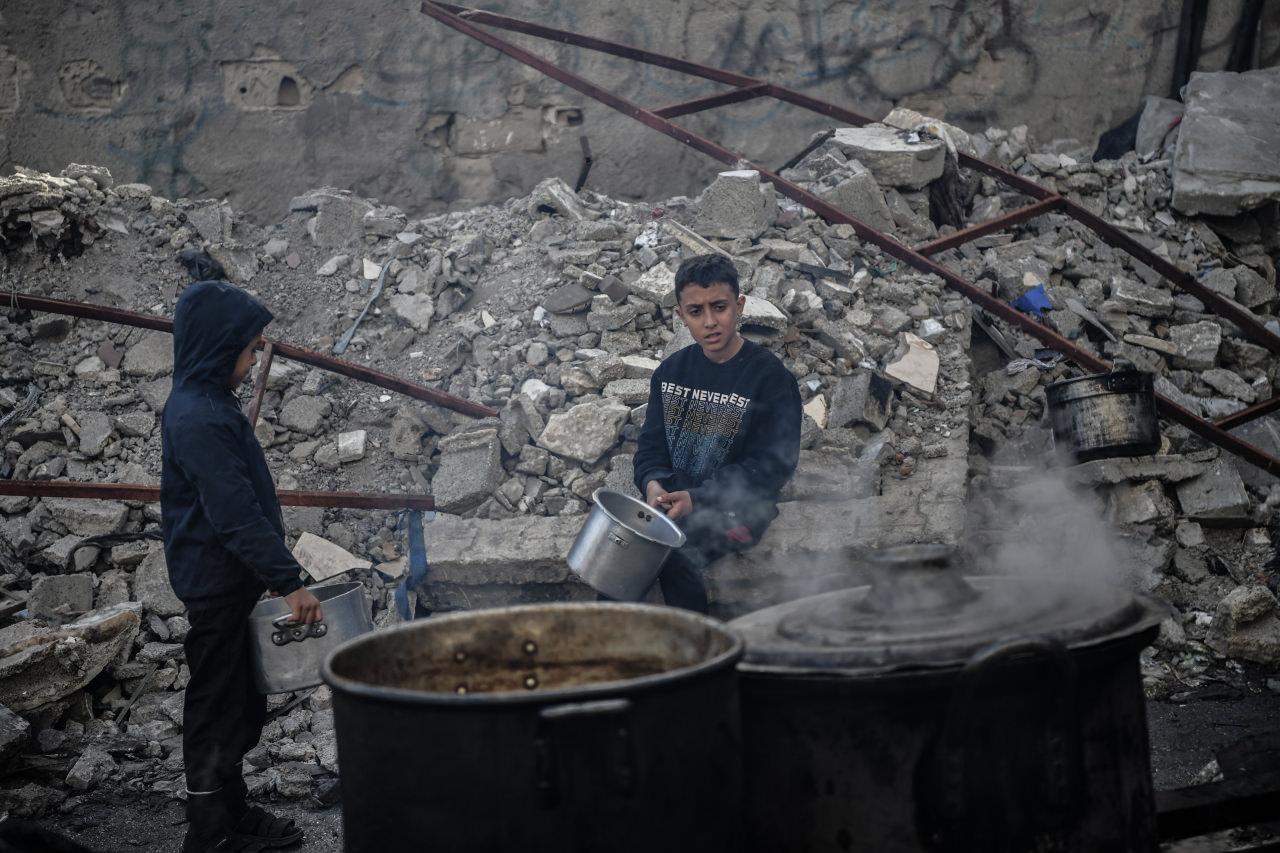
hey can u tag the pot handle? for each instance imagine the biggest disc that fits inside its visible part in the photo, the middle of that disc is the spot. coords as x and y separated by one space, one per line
1062 741
558 736
287 631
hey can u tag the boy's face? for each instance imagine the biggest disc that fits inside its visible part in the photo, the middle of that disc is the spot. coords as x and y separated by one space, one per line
711 314
244 362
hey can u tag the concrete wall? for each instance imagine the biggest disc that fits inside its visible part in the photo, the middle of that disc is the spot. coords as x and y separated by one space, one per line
259 101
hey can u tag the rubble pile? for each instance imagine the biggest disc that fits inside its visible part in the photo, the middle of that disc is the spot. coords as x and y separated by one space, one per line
1199 523
555 309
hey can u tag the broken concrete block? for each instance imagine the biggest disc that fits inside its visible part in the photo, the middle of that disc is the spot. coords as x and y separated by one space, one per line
338 219
861 398
1158 117
416 309
470 469
322 559
1197 344
1226 382
14 734
1246 625
736 204
639 367
305 414
897 158
407 429
860 196
1228 154
568 299
554 194
151 585
657 285
61 596
1217 493
760 313
632 392
907 119
151 356
95 432
87 518
351 445
1251 290
917 366
1142 300
42 665
65 555
1264 434
93 766
586 431
1138 504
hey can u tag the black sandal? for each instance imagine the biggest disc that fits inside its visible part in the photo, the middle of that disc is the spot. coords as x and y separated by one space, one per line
260 826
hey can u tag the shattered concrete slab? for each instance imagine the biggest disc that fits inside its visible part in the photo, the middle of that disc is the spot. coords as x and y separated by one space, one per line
1228 155
38 666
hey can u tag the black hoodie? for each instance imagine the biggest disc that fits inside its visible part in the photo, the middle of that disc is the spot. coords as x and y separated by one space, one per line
223 533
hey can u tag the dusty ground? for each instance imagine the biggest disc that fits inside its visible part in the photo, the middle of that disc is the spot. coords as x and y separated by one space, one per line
1183 738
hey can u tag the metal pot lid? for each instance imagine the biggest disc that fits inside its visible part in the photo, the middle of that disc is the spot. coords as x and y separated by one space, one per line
921 613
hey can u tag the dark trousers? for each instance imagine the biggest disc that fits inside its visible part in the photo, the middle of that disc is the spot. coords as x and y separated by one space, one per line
223 713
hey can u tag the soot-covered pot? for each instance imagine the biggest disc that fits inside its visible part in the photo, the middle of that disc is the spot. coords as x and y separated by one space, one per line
932 711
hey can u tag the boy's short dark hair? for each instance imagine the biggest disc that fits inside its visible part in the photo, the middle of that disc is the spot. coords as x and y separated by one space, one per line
706 270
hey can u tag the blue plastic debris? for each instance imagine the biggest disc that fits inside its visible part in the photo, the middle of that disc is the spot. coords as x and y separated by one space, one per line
1034 302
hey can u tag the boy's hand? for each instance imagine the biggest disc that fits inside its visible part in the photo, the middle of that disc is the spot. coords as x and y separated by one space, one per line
305 606
675 504
653 491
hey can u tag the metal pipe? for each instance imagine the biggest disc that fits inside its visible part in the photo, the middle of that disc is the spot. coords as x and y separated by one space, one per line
1243 416
999 223
15 300
151 494
697 105
260 384
448 15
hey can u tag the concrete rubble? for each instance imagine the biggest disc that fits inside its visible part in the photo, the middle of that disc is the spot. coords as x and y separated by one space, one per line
555 309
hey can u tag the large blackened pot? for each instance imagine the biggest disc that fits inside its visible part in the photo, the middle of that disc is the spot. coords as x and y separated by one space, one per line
933 712
569 727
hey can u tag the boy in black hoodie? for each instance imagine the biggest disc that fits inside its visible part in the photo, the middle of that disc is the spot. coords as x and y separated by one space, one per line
224 544
721 434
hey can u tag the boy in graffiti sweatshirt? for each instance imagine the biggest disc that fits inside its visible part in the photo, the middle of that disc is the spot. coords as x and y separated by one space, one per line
224 544
721 433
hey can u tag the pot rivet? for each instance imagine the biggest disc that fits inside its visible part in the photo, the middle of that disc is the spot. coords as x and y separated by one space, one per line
530 647
460 689
459 656
531 681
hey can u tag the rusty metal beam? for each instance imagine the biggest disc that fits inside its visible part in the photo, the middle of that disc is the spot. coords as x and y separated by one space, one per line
151 494
12 299
1252 413
260 384
697 105
464 21
999 223
529 28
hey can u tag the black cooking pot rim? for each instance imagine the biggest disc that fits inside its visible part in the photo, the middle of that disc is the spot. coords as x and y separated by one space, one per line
769 651
399 695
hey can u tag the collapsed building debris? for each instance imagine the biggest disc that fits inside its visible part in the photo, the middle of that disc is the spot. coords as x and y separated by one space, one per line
554 310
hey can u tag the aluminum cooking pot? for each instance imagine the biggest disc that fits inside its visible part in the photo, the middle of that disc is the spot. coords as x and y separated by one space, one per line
622 545
287 654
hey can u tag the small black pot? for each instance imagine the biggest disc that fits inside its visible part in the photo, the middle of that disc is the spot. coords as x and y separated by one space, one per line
1105 415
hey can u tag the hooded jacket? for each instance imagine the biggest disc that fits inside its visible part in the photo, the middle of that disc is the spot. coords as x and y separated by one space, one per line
223 532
